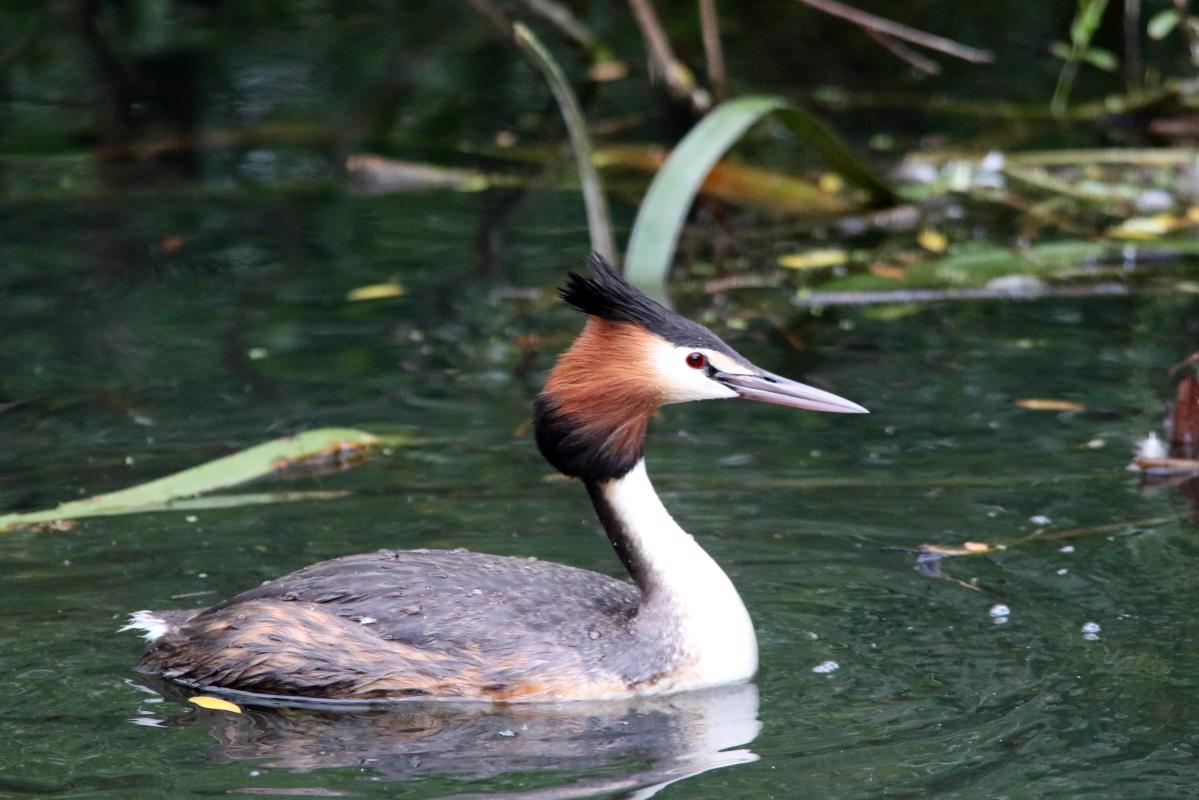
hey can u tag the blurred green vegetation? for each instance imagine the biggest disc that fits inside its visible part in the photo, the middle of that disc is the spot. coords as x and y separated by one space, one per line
153 96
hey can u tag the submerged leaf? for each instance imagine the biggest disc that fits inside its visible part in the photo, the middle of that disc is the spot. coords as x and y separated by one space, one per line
814 259
1043 404
375 291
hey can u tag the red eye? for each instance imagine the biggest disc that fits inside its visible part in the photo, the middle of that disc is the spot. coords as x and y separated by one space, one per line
697 360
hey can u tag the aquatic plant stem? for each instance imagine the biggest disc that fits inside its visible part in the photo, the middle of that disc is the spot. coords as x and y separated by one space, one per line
899 31
1133 71
593 191
1082 30
495 16
565 21
713 54
905 53
1043 535
679 80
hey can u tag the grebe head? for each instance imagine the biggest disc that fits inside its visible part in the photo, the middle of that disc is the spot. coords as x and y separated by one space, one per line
633 356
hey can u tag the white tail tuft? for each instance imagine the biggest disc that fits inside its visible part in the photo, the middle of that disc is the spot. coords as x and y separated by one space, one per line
1152 447
151 626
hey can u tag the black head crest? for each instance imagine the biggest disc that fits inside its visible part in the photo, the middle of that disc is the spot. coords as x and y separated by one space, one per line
608 296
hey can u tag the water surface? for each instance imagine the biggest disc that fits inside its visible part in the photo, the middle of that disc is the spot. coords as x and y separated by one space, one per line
176 246
125 368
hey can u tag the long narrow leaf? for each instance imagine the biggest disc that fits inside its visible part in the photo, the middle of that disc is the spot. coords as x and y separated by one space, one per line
580 142
240 467
660 219
832 148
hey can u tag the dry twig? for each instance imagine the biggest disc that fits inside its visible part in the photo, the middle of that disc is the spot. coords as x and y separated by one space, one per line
894 29
679 80
494 15
1133 72
905 53
713 54
564 20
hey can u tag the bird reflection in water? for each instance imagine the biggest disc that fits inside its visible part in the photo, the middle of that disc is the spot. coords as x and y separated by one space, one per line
662 739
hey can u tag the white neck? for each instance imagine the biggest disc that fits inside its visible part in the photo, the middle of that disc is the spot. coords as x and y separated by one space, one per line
678 580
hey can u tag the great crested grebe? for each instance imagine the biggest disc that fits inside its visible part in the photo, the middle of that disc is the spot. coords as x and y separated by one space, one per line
451 624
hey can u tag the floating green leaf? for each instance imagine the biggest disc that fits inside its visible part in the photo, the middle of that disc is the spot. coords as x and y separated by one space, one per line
660 219
263 459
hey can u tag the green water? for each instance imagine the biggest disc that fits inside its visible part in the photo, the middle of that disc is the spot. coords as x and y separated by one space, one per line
162 307
128 363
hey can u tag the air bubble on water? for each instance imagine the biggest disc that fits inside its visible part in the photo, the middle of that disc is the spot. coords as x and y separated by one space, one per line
825 667
1066 549
1000 610
1090 631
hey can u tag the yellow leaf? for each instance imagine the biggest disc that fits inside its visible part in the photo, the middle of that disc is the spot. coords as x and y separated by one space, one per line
814 259
932 240
376 291
832 183
1150 227
604 71
888 272
943 550
214 703
1041 404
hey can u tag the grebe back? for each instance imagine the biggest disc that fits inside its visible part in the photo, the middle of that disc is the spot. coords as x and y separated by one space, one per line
452 624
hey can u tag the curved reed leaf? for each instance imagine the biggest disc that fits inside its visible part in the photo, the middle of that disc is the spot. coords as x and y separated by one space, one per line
664 209
580 142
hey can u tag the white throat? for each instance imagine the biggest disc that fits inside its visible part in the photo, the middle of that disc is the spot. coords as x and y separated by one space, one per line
678 579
